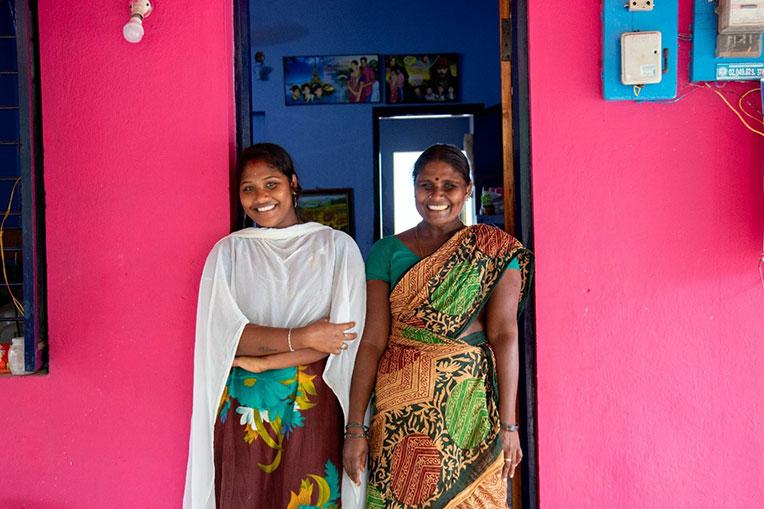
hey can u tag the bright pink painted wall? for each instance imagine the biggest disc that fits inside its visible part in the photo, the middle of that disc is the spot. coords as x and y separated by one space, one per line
648 226
649 305
137 142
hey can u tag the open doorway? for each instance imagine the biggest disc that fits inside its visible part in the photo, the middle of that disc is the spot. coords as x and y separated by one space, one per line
333 144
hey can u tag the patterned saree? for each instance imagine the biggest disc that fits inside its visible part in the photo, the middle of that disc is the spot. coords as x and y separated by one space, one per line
434 439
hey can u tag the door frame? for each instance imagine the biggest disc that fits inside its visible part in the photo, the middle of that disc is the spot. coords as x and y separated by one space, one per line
521 142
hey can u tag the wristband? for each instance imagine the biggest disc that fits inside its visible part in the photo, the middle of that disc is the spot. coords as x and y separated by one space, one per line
509 427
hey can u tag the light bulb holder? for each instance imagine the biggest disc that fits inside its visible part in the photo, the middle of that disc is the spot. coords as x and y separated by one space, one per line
141 8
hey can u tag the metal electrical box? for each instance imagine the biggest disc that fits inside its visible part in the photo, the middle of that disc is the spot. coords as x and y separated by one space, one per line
727 40
639 57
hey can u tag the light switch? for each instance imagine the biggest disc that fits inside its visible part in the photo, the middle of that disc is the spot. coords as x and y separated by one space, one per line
640 5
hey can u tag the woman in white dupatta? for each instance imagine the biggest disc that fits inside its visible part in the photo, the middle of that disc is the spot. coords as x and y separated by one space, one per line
279 308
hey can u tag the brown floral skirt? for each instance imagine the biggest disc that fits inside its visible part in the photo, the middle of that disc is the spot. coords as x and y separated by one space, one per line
278 440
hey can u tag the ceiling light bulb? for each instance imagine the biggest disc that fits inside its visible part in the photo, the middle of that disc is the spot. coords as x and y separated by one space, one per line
133 30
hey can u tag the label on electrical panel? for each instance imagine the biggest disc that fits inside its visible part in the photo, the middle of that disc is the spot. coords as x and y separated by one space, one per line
738 72
648 70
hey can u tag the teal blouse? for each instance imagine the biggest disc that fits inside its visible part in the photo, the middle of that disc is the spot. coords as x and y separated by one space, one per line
389 259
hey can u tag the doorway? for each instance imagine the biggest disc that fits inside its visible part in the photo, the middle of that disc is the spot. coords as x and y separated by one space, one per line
329 160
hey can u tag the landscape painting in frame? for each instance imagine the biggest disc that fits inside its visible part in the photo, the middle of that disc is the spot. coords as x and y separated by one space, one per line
332 207
422 78
346 79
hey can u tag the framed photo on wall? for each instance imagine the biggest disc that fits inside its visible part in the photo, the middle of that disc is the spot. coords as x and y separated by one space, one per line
332 207
345 79
422 78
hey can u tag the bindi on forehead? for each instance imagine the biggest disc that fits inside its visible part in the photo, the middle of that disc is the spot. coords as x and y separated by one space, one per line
437 179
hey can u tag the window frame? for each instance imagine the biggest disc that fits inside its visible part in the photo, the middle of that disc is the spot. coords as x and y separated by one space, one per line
32 190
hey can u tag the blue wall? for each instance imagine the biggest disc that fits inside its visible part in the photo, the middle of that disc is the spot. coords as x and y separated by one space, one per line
332 145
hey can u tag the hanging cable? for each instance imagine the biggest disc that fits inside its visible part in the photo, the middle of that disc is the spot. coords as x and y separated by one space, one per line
736 112
18 305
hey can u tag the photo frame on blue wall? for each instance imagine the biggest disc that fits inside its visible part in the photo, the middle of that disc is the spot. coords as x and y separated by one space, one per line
331 207
422 78
334 79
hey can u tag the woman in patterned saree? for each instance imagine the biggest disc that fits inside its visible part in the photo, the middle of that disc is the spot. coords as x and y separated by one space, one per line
440 350
274 354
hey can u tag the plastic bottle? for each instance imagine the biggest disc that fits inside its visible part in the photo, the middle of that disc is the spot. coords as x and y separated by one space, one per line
16 357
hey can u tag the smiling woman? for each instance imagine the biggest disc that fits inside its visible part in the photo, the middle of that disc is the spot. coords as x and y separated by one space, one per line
268 186
279 308
441 352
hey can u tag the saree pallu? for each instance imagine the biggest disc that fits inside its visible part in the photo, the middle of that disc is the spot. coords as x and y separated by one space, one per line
435 435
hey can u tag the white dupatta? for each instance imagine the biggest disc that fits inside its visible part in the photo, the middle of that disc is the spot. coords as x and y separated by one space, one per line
276 277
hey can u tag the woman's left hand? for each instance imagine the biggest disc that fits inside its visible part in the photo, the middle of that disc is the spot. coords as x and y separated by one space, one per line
513 454
251 364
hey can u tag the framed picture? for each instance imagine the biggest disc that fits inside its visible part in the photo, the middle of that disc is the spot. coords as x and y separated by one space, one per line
343 79
422 78
332 207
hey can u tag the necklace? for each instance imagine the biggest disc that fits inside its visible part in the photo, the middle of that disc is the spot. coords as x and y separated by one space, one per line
420 252
418 246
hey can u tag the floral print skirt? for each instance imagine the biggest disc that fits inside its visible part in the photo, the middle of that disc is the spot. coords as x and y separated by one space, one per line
278 440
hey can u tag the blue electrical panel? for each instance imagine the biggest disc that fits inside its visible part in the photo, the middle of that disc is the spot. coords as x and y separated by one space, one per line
705 64
663 17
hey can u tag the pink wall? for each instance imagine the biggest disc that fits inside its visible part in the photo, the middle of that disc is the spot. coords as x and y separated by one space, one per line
648 224
137 143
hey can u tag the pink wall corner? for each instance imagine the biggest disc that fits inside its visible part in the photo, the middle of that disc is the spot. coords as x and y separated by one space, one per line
137 145
648 227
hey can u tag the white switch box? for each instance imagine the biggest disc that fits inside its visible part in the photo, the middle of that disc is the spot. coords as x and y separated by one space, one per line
640 5
736 16
641 58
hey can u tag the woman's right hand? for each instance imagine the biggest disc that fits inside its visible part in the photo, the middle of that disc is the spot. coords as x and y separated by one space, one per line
354 455
325 336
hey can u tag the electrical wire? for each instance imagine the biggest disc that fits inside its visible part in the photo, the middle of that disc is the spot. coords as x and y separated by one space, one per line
684 93
736 112
18 305
749 115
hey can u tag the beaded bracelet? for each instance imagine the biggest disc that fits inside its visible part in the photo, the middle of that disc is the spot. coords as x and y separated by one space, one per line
509 427
356 435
